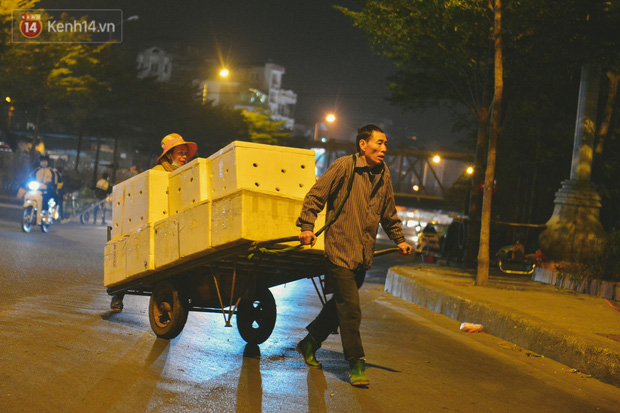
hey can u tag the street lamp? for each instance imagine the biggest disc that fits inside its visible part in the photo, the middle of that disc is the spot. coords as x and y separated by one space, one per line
329 118
128 19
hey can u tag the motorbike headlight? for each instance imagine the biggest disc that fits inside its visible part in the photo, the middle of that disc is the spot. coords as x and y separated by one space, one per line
33 185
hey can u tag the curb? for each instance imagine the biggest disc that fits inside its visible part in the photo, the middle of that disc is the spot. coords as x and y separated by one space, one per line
525 330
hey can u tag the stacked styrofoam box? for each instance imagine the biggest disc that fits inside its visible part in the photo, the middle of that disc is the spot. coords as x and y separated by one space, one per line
190 185
258 191
263 168
138 201
253 216
195 231
115 261
166 234
244 192
140 252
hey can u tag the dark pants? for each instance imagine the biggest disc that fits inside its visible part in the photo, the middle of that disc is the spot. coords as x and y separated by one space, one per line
103 212
342 310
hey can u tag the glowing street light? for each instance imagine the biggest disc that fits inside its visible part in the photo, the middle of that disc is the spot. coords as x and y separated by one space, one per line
436 159
329 118
8 99
469 170
224 72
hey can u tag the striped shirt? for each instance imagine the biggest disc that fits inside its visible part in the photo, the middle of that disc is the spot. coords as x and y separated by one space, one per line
350 240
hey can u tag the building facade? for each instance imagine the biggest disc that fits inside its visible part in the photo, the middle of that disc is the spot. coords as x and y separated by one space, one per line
154 62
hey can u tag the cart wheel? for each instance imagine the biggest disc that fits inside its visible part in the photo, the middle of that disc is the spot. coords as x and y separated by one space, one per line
85 217
257 318
27 220
168 310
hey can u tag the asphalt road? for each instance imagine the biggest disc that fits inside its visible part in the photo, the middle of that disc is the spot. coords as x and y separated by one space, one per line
63 350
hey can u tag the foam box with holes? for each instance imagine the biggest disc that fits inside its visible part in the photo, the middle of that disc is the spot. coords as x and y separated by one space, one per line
118 202
190 185
263 168
166 234
254 216
195 231
140 200
115 262
140 252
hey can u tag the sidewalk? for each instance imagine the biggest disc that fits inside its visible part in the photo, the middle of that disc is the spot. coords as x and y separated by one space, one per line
578 330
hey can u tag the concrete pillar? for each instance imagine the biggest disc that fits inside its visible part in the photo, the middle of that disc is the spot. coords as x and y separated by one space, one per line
575 224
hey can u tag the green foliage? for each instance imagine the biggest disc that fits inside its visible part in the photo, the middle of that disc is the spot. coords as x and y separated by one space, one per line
443 52
443 49
93 89
596 264
262 129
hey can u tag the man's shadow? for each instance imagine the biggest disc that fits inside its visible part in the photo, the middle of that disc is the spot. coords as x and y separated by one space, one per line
250 388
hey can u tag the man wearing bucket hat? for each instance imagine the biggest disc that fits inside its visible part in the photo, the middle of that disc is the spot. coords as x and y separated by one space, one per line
175 153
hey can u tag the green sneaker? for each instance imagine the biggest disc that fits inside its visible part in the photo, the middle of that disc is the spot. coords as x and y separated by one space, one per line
356 373
307 347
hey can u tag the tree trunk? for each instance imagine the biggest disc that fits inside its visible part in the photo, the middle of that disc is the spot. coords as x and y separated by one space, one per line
609 107
482 275
114 160
77 153
476 180
96 166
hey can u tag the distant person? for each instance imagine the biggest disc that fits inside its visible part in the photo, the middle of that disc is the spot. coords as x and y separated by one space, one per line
350 242
175 153
50 181
103 188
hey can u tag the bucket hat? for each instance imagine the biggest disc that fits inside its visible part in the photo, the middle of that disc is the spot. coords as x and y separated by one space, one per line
174 139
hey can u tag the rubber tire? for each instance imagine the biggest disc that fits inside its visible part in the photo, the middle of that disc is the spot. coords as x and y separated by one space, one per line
45 227
168 310
85 217
257 318
26 222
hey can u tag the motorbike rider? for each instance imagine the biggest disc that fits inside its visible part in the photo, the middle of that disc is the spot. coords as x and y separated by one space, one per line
103 188
50 181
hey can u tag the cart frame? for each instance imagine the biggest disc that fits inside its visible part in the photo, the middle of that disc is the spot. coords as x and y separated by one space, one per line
233 280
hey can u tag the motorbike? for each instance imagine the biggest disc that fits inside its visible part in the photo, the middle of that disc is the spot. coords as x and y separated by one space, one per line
512 259
33 208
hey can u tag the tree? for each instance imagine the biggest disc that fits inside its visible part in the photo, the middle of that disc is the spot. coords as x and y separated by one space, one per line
262 129
444 52
44 78
482 275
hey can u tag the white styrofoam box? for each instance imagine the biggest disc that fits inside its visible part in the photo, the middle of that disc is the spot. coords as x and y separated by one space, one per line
264 168
190 185
253 216
195 231
115 262
166 242
146 200
140 252
118 200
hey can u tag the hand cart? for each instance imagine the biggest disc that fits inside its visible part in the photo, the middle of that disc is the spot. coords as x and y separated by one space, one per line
230 281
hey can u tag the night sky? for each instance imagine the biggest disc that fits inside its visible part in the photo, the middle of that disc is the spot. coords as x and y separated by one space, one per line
328 62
